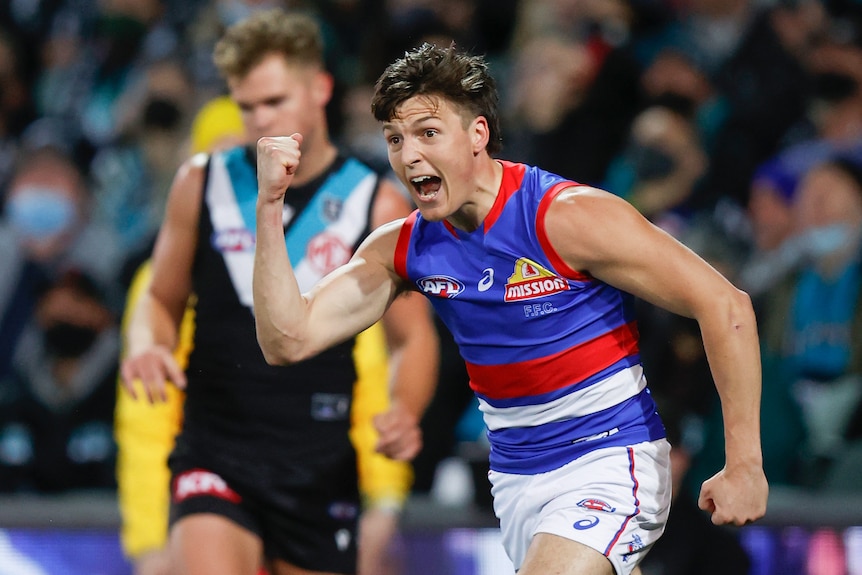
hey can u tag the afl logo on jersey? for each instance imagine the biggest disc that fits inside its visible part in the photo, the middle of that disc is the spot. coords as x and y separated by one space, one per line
326 252
233 240
440 286
531 281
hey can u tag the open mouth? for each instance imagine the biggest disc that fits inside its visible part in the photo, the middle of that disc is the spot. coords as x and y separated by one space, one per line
426 186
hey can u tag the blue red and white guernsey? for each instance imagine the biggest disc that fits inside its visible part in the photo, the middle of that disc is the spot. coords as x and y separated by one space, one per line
552 352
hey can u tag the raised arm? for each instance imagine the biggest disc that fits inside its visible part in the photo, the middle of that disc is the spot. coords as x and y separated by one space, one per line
599 233
292 326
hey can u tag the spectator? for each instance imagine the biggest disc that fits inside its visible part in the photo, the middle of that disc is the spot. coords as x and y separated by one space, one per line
45 232
770 215
57 426
661 168
572 102
766 85
833 121
674 78
133 173
91 57
709 31
811 320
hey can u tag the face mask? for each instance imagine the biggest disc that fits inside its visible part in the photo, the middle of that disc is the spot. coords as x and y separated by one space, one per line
649 162
162 114
825 240
38 212
68 341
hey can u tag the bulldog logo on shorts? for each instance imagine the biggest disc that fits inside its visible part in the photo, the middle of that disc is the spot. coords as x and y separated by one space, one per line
596 505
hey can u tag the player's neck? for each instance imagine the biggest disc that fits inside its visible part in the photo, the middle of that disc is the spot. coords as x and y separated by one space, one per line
480 200
316 158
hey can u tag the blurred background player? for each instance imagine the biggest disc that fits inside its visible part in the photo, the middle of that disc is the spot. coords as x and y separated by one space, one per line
145 437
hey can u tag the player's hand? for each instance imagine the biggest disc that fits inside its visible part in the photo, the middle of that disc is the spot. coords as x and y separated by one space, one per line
735 495
153 368
400 437
277 160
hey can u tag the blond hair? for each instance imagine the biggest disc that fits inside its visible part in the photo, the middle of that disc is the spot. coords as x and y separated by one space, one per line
294 35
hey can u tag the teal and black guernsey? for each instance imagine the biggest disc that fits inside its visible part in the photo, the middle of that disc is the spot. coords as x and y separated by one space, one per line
291 422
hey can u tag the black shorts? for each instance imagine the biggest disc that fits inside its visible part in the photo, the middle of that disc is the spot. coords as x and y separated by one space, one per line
308 528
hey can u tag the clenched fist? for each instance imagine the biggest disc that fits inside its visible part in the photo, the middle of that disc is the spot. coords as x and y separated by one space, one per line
277 160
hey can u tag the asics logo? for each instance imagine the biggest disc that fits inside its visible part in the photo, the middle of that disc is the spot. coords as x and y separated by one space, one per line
487 279
587 522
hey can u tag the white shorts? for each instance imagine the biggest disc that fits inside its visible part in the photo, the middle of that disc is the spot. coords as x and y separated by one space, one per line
615 500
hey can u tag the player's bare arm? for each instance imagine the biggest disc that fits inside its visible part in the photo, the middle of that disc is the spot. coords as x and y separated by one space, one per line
290 325
599 233
152 332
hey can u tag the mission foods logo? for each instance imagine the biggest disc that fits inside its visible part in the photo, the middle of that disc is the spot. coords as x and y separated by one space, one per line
440 286
531 281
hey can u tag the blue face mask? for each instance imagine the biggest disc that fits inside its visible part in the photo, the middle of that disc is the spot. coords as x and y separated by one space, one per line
38 212
826 240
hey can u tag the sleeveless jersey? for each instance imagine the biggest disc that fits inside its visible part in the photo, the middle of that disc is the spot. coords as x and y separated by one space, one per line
552 353
289 423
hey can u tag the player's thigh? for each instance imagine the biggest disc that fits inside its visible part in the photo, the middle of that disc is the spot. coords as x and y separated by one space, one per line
156 562
554 554
209 544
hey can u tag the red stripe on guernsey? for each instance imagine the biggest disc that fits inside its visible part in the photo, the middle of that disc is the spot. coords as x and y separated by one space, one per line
513 176
557 371
403 243
542 234
451 228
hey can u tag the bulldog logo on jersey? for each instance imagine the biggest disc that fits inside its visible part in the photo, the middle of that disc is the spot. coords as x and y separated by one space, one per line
531 281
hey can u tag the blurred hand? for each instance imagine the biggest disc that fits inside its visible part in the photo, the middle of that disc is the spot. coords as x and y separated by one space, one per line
152 369
400 435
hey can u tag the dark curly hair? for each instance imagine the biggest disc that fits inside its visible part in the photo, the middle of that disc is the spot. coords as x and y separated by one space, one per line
429 70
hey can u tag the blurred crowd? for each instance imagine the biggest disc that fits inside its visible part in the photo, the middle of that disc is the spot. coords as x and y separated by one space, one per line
735 125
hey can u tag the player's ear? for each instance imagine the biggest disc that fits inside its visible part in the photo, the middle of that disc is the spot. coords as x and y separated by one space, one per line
480 133
322 87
